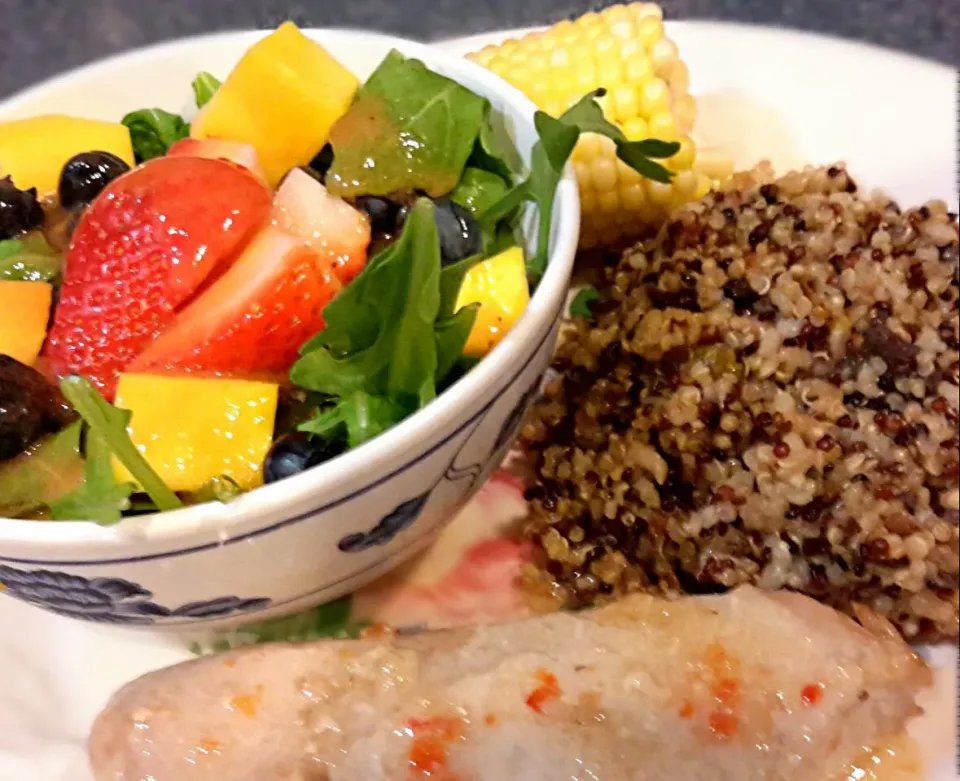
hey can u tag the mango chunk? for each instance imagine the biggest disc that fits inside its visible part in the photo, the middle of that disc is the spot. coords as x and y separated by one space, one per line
193 429
499 285
24 313
33 151
281 98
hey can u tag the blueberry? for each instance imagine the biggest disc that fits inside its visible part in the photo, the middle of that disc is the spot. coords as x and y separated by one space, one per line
323 160
30 407
19 209
85 175
460 234
382 212
295 452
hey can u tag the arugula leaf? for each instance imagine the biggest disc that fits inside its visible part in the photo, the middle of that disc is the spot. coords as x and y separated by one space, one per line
34 479
379 330
494 149
99 497
478 190
366 416
410 130
327 423
153 131
29 259
558 137
356 418
580 306
107 434
203 88
357 326
451 280
453 326
451 335
504 236
587 115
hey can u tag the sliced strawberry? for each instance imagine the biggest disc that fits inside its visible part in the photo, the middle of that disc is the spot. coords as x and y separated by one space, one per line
331 226
217 149
253 320
143 248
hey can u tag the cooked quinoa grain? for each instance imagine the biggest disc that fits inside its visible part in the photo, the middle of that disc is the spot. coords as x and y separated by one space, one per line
768 394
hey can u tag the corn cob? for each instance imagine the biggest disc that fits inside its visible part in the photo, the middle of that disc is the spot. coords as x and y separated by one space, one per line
625 50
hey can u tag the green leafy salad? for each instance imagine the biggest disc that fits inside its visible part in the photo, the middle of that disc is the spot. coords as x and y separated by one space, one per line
423 193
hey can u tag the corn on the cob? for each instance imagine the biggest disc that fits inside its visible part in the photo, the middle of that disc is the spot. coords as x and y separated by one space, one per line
623 49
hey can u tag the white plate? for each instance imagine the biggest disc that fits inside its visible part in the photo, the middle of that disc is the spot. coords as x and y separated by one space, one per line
765 94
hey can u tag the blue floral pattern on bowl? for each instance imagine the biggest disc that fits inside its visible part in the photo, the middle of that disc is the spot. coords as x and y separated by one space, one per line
404 514
512 424
400 518
111 600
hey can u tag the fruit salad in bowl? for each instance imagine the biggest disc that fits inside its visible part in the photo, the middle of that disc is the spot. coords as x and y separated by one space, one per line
257 349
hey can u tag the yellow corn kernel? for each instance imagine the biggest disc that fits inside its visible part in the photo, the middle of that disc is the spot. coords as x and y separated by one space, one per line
654 98
616 13
626 102
603 174
625 50
638 69
685 184
686 156
685 112
644 10
658 192
588 20
704 185
583 171
664 127
565 31
679 78
649 31
634 197
714 163
626 175
663 56
193 429
608 201
636 129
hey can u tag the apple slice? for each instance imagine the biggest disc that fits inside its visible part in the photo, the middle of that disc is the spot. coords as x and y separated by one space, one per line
332 227
252 321
219 149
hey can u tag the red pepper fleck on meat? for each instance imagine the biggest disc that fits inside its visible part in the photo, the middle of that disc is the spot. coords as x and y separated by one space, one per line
812 694
377 631
686 710
723 724
727 692
549 689
429 750
725 688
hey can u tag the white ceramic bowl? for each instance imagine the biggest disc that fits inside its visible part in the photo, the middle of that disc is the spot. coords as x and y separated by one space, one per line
314 537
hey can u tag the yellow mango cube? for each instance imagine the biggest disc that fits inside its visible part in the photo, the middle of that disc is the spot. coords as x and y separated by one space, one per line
34 150
193 429
499 285
281 98
24 313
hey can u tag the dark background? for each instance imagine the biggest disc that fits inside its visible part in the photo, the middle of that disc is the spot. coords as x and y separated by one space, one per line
39 38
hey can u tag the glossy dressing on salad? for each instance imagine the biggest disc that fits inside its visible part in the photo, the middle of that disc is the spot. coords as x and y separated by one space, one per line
309 267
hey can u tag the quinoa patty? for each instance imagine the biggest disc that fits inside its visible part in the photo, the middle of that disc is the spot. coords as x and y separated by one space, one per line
767 394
